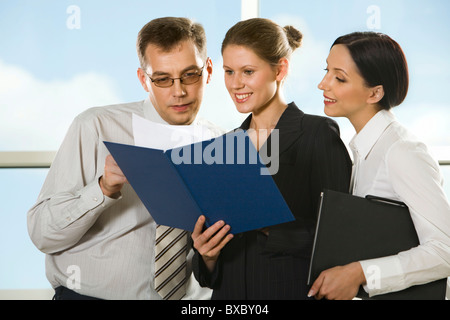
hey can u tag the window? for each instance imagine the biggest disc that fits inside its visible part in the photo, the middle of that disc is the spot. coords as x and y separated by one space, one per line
22 264
417 26
59 58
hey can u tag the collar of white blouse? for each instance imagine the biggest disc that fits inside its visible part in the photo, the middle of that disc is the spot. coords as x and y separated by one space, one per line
364 141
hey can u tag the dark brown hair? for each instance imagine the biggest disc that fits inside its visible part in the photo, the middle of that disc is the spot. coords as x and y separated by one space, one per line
168 32
266 38
380 61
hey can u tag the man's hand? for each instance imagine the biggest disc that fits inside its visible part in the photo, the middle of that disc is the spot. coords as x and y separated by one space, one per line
113 179
339 283
209 242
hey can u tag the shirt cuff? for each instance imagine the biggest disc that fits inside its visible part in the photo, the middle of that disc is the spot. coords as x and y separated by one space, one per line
383 275
92 200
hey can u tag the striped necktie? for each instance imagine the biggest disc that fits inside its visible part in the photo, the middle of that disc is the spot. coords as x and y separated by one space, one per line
170 262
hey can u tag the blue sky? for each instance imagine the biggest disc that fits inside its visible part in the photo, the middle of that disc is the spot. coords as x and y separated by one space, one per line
49 74
57 72
35 36
420 27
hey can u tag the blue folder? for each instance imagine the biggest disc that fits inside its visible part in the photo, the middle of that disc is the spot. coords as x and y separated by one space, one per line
222 179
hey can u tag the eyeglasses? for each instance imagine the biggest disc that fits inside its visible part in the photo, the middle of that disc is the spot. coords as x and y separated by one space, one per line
188 78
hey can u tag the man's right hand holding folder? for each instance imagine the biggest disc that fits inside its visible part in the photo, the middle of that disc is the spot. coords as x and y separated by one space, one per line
113 179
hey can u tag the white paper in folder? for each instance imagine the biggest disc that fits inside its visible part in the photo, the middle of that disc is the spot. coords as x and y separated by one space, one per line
164 136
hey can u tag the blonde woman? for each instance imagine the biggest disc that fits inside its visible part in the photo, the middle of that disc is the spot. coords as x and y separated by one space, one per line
271 263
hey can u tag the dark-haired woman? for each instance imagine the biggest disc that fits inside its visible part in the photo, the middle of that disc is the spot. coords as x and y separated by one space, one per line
367 75
272 263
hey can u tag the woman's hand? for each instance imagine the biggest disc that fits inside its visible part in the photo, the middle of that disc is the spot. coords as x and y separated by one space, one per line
210 242
338 283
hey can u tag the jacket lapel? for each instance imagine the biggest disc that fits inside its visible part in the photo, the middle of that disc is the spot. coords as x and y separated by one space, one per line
289 129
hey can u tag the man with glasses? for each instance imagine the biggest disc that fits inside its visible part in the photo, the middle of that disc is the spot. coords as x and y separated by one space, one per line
98 237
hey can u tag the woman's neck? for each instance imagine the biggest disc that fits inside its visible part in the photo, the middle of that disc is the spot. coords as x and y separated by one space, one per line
360 120
264 121
267 117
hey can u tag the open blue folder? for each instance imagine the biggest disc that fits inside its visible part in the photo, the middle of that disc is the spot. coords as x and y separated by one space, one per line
222 179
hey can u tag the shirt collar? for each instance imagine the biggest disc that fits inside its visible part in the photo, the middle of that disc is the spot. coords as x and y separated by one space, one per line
363 142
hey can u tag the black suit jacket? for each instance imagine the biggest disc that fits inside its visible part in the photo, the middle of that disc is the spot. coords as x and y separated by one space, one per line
312 157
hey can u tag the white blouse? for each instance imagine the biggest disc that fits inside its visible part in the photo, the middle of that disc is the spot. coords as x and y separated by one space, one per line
392 163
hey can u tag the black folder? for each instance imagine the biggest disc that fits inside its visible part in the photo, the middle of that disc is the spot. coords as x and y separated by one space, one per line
352 228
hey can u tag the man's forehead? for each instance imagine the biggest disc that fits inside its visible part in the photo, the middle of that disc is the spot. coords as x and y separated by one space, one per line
183 56
186 46
166 49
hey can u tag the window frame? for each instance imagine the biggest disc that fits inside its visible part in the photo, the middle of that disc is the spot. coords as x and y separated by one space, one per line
43 159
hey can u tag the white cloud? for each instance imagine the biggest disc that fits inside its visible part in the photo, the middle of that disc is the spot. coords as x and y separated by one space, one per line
36 114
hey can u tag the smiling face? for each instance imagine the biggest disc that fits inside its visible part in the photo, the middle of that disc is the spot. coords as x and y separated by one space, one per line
180 103
345 91
252 83
343 87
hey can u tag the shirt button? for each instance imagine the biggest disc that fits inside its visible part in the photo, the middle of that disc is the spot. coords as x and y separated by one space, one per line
95 199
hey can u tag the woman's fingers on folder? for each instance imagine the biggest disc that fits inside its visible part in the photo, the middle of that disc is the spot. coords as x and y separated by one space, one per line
209 242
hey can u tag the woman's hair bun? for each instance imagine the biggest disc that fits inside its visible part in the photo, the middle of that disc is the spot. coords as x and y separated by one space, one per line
294 36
